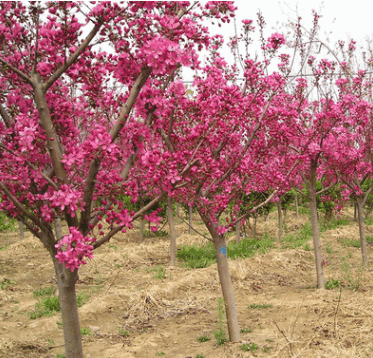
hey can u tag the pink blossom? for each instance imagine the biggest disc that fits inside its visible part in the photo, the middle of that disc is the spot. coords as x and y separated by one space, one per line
275 41
73 248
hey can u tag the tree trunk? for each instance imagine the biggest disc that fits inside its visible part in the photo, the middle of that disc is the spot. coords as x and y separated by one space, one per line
280 219
296 205
178 212
315 226
170 218
58 227
225 279
69 310
21 231
254 227
363 241
355 211
190 219
142 222
238 232
328 214
142 226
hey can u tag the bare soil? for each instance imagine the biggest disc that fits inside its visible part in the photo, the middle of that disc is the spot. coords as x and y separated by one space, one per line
164 316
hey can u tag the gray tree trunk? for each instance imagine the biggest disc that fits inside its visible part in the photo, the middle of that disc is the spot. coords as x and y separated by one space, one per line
58 227
363 241
178 212
142 226
142 222
315 226
238 232
280 220
190 219
21 230
225 280
254 227
66 281
170 218
296 205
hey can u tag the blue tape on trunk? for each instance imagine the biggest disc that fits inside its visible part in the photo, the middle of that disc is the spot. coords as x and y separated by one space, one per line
223 250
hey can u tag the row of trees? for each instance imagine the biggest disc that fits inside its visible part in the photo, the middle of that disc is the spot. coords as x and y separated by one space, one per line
82 126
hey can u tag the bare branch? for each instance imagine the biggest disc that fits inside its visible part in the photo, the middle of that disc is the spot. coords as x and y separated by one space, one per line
204 236
36 233
144 209
326 189
299 192
367 195
264 203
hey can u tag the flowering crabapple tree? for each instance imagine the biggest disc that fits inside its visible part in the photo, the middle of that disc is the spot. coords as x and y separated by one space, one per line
353 161
76 119
352 158
328 129
321 113
221 146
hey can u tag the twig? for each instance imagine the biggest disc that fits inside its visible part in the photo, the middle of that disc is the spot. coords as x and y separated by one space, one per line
295 322
153 235
53 347
287 340
192 227
111 284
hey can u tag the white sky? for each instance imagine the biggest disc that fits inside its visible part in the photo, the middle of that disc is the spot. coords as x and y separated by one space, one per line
345 18
341 20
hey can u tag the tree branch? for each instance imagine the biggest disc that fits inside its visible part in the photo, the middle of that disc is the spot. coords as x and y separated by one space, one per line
114 231
126 109
326 189
18 72
367 195
52 183
204 236
245 216
20 207
21 218
114 133
6 117
72 58
36 42
246 147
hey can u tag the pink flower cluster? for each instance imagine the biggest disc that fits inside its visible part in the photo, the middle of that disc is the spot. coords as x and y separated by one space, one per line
154 218
275 41
65 198
73 248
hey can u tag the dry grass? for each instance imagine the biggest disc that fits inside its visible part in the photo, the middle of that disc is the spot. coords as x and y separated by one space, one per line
167 315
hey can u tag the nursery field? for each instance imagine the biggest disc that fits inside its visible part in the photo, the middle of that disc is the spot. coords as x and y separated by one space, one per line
133 305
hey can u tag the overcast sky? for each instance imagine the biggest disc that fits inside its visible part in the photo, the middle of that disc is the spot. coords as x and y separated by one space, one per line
345 19
338 21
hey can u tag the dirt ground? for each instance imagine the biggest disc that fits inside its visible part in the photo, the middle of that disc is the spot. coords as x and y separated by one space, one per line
164 316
